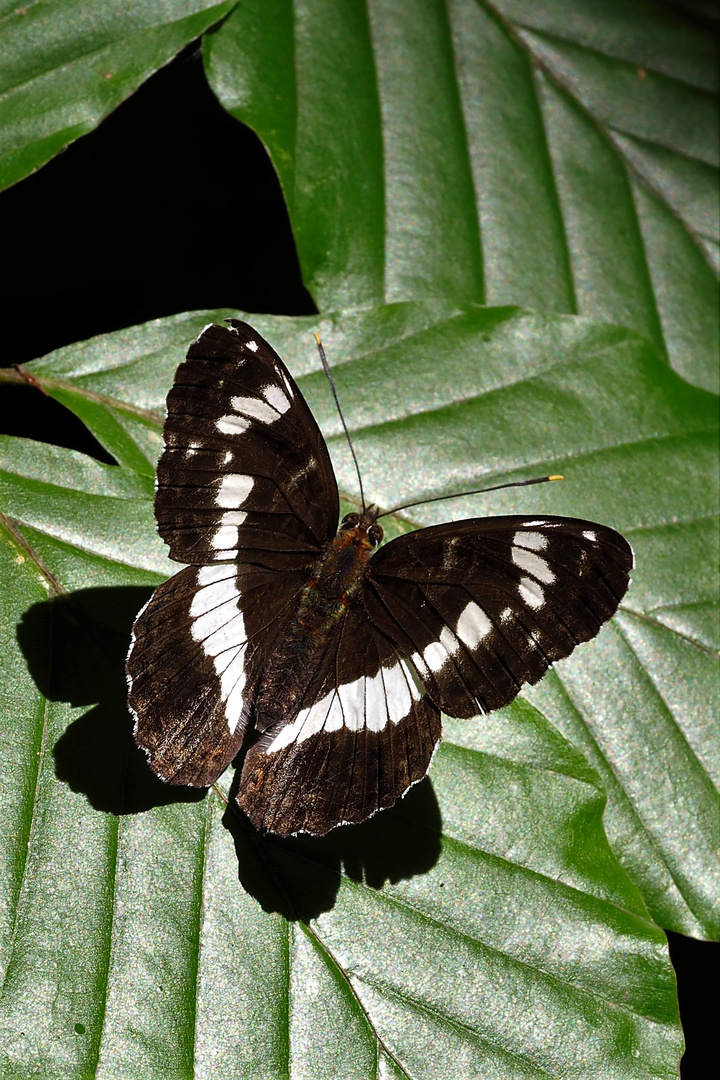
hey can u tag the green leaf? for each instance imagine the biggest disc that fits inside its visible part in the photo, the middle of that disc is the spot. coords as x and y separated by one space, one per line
482 926
130 948
562 156
638 447
67 63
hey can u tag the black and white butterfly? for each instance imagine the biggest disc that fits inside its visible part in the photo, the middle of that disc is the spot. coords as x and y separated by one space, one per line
326 660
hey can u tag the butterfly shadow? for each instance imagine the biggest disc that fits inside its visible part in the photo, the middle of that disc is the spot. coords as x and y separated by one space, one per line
75 647
299 877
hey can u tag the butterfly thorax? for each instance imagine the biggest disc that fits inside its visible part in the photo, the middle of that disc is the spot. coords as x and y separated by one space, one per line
338 573
302 648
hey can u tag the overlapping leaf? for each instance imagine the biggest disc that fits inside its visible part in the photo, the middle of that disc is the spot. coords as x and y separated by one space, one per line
562 156
502 917
67 63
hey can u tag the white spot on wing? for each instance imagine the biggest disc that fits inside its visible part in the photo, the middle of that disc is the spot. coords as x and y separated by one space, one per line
438 652
235 702
473 625
232 425
275 397
231 635
352 705
226 538
209 574
448 640
364 703
307 723
434 656
230 674
254 407
534 564
219 627
212 596
400 691
590 534
252 346
531 593
234 489
210 621
376 709
334 719
533 540
420 664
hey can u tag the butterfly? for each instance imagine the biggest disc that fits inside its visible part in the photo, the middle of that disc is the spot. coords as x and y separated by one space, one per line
325 657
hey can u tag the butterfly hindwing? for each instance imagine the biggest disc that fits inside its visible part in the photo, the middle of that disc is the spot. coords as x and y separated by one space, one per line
197 651
245 472
365 732
485 605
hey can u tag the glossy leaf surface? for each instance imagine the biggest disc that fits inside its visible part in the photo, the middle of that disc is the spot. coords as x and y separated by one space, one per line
562 156
486 914
67 63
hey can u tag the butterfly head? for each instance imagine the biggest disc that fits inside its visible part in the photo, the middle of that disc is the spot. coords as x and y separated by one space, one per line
364 524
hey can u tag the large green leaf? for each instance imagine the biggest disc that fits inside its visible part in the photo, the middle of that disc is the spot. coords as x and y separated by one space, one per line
131 948
491 931
514 395
67 63
562 156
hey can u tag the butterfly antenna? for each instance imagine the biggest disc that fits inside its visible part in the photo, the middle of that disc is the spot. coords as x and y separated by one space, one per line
475 491
326 366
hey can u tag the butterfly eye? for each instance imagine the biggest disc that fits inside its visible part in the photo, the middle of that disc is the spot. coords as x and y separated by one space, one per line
376 534
350 521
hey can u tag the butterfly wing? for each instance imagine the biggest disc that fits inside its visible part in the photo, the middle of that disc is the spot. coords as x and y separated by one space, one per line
364 734
247 494
245 473
485 605
197 650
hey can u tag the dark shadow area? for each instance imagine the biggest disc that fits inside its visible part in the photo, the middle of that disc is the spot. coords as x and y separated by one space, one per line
703 13
697 966
75 647
88 633
29 413
169 205
299 877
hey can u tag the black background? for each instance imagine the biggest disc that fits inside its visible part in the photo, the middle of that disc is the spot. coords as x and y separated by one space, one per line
99 240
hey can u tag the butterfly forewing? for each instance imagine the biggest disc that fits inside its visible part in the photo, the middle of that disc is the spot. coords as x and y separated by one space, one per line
364 733
245 472
246 492
485 605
